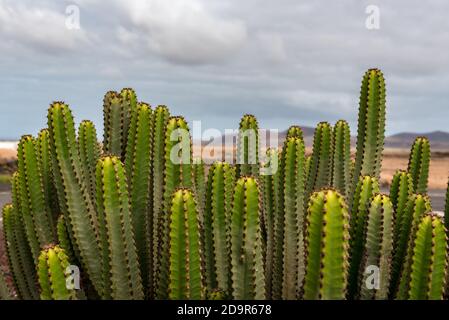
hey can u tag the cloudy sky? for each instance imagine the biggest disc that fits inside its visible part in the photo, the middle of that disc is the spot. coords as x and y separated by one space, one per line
287 61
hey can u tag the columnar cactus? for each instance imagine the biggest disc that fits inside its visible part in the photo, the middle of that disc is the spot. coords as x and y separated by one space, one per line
446 209
64 239
177 173
295 132
320 167
327 235
428 270
19 254
35 211
418 164
217 226
248 279
73 194
113 122
366 189
291 210
119 255
52 272
378 249
199 182
138 169
248 147
185 254
5 292
89 151
371 126
341 162
417 206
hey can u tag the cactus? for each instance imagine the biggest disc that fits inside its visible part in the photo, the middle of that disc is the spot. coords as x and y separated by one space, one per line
199 182
89 151
120 260
64 239
446 209
185 255
417 206
5 292
327 235
295 132
428 270
291 209
371 126
248 279
217 225
73 194
341 162
36 212
113 123
378 248
138 168
366 189
177 173
248 147
52 272
320 166
418 164
19 254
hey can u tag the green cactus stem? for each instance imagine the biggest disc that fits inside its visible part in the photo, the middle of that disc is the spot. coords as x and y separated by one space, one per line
115 214
378 249
446 209
248 280
327 235
371 126
417 206
5 292
248 147
366 189
418 164
128 107
185 255
217 226
138 169
89 151
52 272
64 239
199 182
428 271
73 192
320 166
295 132
341 162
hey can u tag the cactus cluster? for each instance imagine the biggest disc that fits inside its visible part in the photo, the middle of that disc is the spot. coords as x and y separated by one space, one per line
140 218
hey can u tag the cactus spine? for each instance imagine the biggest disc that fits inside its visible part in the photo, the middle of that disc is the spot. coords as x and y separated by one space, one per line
248 279
115 214
248 147
378 247
217 225
428 271
366 189
138 168
371 126
185 254
89 151
52 273
341 162
327 235
418 165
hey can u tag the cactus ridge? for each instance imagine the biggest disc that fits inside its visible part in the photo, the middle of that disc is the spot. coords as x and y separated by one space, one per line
418 164
341 162
247 152
295 132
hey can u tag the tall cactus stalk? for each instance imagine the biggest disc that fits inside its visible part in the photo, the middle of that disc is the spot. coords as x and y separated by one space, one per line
199 182
320 166
248 279
418 165
177 173
366 189
371 126
64 239
73 191
341 162
89 151
114 214
428 271
248 147
52 272
378 249
291 208
295 132
36 212
113 123
185 253
446 209
417 206
217 226
138 169
327 235
19 254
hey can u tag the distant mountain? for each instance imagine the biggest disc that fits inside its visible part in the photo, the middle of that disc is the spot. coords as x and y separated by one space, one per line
439 140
